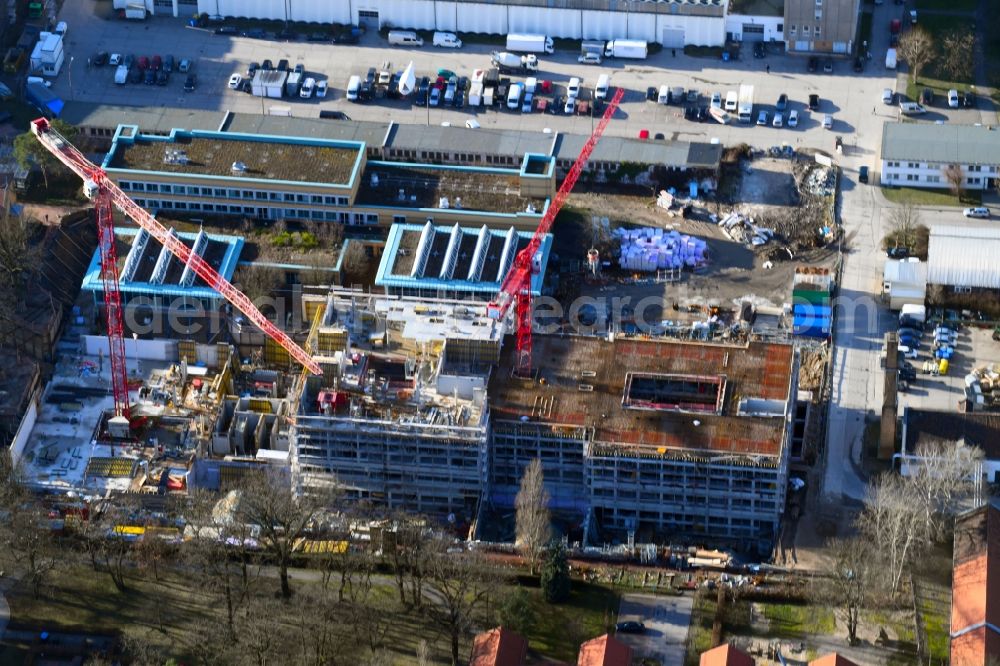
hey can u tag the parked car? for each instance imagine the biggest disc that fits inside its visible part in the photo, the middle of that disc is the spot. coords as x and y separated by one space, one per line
590 59
632 627
573 87
953 100
100 59
142 63
968 99
778 120
926 96
827 121
813 101
717 100
307 89
267 66
782 103
758 50
283 65
318 37
813 64
828 66
150 77
859 64
234 81
190 82
651 93
300 68
115 59
156 63
897 253
435 98
135 75
162 78
168 63
863 174
129 60
346 37
793 118
762 118
906 352
321 88
252 69
981 212
888 96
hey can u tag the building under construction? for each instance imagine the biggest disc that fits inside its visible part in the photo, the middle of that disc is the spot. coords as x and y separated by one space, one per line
399 417
652 438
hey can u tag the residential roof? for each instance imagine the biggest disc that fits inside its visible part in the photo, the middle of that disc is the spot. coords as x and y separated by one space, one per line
473 266
651 397
725 655
975 605
964 255
832 659
151 119
484 140
980 429
604 650
905 271
499 647
621 149
940 144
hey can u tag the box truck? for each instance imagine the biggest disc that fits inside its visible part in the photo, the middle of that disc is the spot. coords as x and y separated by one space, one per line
135 11
744 107
890 59
293 84
626 48
592 46
530 43
511 63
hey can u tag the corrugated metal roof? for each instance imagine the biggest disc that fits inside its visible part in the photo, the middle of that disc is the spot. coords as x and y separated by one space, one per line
964 256
940 144
905 272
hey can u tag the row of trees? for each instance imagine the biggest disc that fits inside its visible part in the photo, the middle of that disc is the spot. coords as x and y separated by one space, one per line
903 518
954 56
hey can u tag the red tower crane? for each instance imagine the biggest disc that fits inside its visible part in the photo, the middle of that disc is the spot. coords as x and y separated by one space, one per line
106 194
516 287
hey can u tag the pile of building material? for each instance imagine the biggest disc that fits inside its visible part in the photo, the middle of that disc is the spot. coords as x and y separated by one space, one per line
820 181
650 250
743 229
982 386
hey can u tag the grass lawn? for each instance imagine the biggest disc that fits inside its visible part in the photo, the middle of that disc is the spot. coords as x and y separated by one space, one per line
936 624
919 196
799 620
699 636
560 628
946 5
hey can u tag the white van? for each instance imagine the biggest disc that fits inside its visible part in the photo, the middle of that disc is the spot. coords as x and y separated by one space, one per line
353 86
61 28
447 40
514 95
404 38
664 96
732 100
601 89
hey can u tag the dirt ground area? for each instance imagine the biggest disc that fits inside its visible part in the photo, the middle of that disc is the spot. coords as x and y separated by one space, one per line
735 272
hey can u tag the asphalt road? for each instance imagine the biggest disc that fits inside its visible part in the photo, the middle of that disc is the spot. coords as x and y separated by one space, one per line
666 620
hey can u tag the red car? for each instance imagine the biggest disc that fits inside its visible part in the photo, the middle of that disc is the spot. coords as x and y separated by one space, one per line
545 85
157 63
644 134
142 63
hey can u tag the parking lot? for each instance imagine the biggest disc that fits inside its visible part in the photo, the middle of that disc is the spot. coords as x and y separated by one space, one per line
848 96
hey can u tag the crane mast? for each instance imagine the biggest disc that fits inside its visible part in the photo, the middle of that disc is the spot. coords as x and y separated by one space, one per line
516 287
106 196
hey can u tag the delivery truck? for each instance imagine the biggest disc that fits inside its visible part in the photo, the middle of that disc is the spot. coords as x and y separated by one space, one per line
524 43
511 63
626 48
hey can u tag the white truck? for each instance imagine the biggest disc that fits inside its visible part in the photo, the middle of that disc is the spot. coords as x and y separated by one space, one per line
511 63
744 107
135 11
890 59
592 46
524 43
626 48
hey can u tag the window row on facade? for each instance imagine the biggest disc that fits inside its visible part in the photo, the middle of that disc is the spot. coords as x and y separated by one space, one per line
265 212
233 193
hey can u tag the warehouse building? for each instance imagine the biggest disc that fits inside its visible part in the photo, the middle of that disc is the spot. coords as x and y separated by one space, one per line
961 266
280 177
904 282
916 154
650 438
673 23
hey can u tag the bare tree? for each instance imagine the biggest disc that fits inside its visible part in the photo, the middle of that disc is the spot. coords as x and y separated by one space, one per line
955 178
853 583
916 47
944 477
110 545
406 545
891 521
457 591
268 502
904 221
25 533
957 53
533 522
258 282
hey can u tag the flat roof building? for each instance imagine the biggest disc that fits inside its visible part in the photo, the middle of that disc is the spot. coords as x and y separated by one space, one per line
280 177
647 436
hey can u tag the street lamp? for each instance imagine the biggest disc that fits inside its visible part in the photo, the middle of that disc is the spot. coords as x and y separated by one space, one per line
71 59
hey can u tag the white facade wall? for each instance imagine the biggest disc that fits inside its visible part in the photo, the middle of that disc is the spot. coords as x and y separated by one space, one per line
773 27
497 19
930 175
